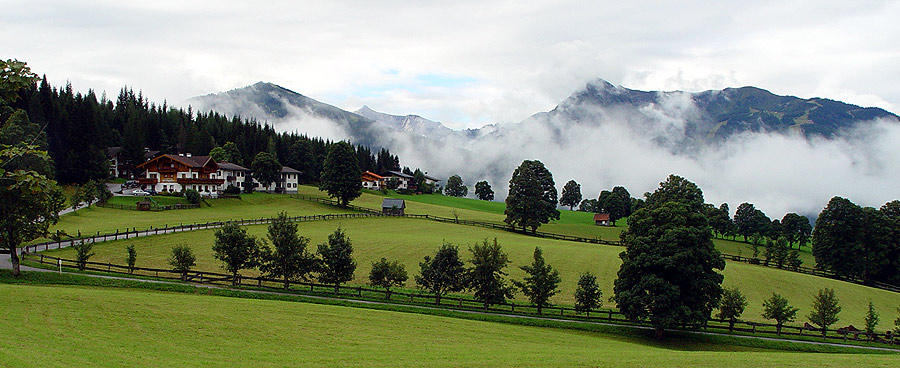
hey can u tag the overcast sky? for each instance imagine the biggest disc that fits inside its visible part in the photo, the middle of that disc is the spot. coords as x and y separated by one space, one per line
465 63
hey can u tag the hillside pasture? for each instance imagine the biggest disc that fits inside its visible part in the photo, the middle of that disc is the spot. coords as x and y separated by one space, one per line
409 240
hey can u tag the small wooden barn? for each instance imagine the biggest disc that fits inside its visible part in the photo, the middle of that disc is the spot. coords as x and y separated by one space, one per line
394 207
602 219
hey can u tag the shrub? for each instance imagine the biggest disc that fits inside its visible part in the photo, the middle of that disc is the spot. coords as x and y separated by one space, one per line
192 196
232 189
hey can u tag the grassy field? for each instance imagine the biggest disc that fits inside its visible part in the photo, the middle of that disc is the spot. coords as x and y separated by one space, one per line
408 240
160 200
107 220
126 327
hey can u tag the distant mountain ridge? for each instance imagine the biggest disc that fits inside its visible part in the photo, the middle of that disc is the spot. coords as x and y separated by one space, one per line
718 114
409 123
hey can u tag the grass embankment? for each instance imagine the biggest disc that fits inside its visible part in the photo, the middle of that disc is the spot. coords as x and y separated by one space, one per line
128 327
409 240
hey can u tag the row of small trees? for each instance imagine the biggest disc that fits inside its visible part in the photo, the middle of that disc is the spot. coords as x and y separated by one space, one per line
823 314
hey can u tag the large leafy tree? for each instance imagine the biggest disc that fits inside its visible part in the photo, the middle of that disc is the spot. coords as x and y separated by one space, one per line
341 173
778 308
30 200
614 204
669 267
483 191
266 168
486 277
825 309
288 258
571 194
852 241
236 249
626 199
443 273
532 196
455 187
796 228
541 282
232 153
336 264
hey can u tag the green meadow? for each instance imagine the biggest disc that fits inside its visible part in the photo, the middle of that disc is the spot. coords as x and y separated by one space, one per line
409 240
96 326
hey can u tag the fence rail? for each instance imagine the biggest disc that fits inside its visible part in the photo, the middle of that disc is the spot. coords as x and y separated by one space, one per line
151 208
453 301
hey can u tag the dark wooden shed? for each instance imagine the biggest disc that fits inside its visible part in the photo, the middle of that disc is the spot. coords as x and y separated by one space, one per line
394 207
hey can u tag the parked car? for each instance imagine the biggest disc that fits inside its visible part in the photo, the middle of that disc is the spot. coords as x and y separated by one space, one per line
140 192
130 184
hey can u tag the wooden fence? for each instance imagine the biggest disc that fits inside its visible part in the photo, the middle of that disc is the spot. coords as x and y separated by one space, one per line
178 206
458 302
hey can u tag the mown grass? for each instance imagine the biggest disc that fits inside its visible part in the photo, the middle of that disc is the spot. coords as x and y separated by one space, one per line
128 327
409 240
256 205
160 200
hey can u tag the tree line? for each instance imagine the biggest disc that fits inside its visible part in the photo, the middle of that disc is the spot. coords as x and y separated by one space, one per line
76 129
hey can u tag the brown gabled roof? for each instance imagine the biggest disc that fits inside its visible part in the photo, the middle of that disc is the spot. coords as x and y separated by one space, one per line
230 166
370 176
601 217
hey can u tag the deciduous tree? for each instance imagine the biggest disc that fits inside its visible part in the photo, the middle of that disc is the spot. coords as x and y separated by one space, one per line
341 174
541 282
778 309
455 187
288 258
182 259
266 168
336 264
486 276
588 295
387 275
442 274
236 249
731 306
825 309
669 267
571 194
483 191
532 196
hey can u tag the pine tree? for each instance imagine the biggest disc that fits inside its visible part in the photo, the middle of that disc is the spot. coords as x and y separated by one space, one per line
871 319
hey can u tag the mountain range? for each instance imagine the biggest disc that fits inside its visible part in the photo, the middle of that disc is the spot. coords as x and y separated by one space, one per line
781 153
700 118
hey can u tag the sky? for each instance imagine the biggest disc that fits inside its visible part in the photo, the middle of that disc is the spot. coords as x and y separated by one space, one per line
464 63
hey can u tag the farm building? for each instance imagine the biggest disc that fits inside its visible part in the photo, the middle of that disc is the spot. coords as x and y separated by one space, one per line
602 219
394 207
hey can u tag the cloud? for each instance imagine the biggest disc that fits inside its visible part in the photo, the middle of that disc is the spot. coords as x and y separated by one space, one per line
521 58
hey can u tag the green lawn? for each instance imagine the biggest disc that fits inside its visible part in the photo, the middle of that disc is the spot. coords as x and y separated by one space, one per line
408 240
160 200
91 326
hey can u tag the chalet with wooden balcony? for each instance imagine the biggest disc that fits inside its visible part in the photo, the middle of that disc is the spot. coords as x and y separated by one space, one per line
175 173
